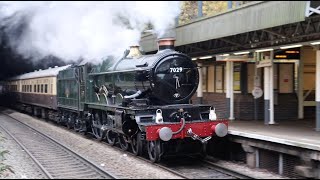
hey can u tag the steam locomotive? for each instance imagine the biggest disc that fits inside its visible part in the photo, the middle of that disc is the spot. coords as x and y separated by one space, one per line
140 102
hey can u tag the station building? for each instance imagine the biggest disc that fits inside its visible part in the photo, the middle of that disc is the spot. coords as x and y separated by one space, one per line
259 66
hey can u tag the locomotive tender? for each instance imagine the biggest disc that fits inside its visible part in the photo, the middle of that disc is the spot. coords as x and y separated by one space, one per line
139 101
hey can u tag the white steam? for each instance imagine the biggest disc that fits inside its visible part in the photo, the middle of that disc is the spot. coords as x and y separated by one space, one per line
89 30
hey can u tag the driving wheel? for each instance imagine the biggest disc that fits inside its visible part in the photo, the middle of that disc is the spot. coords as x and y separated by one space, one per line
123 141
111 137
154 150
136 144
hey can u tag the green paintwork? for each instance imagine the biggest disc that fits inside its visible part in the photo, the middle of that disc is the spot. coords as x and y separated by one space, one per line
67 93
71 92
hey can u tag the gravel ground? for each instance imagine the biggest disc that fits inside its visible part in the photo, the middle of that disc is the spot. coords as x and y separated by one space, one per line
118 163
22 165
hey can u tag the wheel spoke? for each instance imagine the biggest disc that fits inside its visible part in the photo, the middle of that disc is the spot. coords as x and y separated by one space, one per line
154 150
96 124
136 144
111 137
123 143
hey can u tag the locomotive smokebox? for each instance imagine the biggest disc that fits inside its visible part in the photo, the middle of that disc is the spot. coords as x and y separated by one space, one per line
166 41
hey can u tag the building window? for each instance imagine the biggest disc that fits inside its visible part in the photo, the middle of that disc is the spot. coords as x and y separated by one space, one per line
46 88
214 79
38 88
35 88
41 88
219 81
236 76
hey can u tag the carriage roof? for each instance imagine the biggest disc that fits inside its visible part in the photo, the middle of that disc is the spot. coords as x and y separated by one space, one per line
41 73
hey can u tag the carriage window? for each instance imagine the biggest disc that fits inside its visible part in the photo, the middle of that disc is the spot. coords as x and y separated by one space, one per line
38 89
46 88
42 88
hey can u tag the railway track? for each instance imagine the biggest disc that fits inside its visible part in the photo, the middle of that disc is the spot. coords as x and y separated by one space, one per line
186 167
199 168
181 167
194 168
55 160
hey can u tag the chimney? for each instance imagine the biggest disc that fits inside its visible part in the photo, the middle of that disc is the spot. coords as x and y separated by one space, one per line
134 52
166 41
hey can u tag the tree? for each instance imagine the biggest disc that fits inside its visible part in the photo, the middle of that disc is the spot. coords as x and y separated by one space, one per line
189 9
214 7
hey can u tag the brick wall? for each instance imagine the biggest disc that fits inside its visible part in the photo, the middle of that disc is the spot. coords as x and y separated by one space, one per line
287 107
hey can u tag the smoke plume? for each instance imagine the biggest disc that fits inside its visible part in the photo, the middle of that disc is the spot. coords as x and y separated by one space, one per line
81 30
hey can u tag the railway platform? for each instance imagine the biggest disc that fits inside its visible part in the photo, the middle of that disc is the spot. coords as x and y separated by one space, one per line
291 147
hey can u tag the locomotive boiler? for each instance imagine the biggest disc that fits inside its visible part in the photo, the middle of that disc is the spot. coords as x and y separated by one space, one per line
167 77
139 102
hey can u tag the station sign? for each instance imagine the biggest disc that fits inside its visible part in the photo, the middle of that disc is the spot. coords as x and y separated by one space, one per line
264 63
243 58
257 92
293 53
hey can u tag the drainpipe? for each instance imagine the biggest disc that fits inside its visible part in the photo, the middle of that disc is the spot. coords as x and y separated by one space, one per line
229 4
318 91
200 9
177 18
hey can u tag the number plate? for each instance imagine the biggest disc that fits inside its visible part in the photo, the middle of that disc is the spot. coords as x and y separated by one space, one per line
176 69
